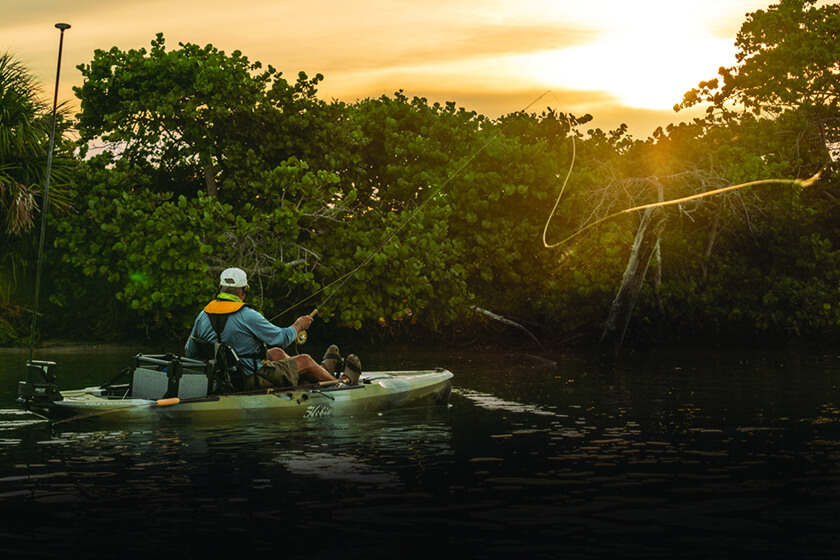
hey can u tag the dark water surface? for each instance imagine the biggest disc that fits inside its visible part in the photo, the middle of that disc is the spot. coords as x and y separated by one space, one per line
695 454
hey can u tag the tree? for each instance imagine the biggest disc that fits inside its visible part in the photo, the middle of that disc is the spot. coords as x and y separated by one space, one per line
24 140
788 61
186 122
477 190
195 118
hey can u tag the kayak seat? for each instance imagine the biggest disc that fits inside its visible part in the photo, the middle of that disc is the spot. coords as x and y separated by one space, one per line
227 373
166 375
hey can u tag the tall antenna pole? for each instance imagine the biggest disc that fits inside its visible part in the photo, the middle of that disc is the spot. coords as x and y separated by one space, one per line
62 27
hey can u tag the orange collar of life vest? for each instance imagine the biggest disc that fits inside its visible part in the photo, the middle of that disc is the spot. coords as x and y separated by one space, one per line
223 307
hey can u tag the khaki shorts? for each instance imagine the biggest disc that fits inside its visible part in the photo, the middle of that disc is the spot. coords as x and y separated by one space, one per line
281 373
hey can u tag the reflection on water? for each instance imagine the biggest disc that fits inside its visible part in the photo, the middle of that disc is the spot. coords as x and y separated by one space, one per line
201 481
490 402
690 455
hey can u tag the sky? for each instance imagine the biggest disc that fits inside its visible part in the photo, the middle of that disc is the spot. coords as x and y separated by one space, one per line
622 61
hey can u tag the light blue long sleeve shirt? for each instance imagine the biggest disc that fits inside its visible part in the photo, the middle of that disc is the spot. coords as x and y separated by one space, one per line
245 332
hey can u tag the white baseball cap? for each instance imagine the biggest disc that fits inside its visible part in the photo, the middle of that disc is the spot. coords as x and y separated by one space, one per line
234 278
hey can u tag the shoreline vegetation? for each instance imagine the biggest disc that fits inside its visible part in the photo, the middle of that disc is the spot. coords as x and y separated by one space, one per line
185 161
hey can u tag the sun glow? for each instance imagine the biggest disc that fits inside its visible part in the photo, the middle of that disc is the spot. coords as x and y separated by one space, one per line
647 57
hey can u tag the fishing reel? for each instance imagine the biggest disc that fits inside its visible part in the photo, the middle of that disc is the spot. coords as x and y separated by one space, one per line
302 336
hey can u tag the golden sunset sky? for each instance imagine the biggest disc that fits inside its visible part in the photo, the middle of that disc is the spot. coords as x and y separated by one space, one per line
620 60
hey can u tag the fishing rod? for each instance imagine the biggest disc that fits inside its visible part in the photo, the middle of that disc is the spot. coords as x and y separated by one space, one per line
62 27
341 281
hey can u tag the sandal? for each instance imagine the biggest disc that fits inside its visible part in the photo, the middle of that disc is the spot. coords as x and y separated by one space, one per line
331 359
352 369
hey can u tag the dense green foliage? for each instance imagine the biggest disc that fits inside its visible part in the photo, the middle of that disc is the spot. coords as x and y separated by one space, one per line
25 122
211 161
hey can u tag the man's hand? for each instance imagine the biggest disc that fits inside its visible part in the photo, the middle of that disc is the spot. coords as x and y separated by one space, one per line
302 323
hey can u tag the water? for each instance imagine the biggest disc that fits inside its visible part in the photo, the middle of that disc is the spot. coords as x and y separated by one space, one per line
695 454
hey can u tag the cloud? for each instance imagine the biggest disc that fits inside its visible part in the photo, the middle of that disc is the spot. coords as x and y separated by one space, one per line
456 44
473 52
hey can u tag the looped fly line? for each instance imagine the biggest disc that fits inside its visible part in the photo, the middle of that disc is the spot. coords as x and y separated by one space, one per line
803 183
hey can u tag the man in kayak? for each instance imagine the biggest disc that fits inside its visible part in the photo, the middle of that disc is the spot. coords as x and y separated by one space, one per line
228 319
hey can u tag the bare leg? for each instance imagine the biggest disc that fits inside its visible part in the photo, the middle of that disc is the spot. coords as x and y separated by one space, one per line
275 354
307 367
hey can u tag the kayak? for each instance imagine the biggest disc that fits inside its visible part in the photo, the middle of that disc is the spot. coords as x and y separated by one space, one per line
152 395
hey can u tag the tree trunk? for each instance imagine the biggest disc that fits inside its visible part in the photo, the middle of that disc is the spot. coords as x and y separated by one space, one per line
650 228
657 253
657 278
710 242
210 179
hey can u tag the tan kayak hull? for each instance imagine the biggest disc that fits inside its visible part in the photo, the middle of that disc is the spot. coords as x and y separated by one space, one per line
376 392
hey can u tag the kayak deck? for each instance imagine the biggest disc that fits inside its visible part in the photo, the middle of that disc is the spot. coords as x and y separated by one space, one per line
375 392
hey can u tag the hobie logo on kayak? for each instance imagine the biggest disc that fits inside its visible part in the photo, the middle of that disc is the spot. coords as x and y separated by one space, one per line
318 411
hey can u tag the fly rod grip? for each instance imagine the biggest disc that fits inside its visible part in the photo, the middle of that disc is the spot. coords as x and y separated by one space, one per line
302 336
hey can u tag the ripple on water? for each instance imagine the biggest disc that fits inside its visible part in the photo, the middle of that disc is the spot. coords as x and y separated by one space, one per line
336 467
13 419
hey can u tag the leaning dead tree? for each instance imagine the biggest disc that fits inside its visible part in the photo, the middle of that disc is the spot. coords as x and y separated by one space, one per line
626 192
644 247
647 242
508 322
